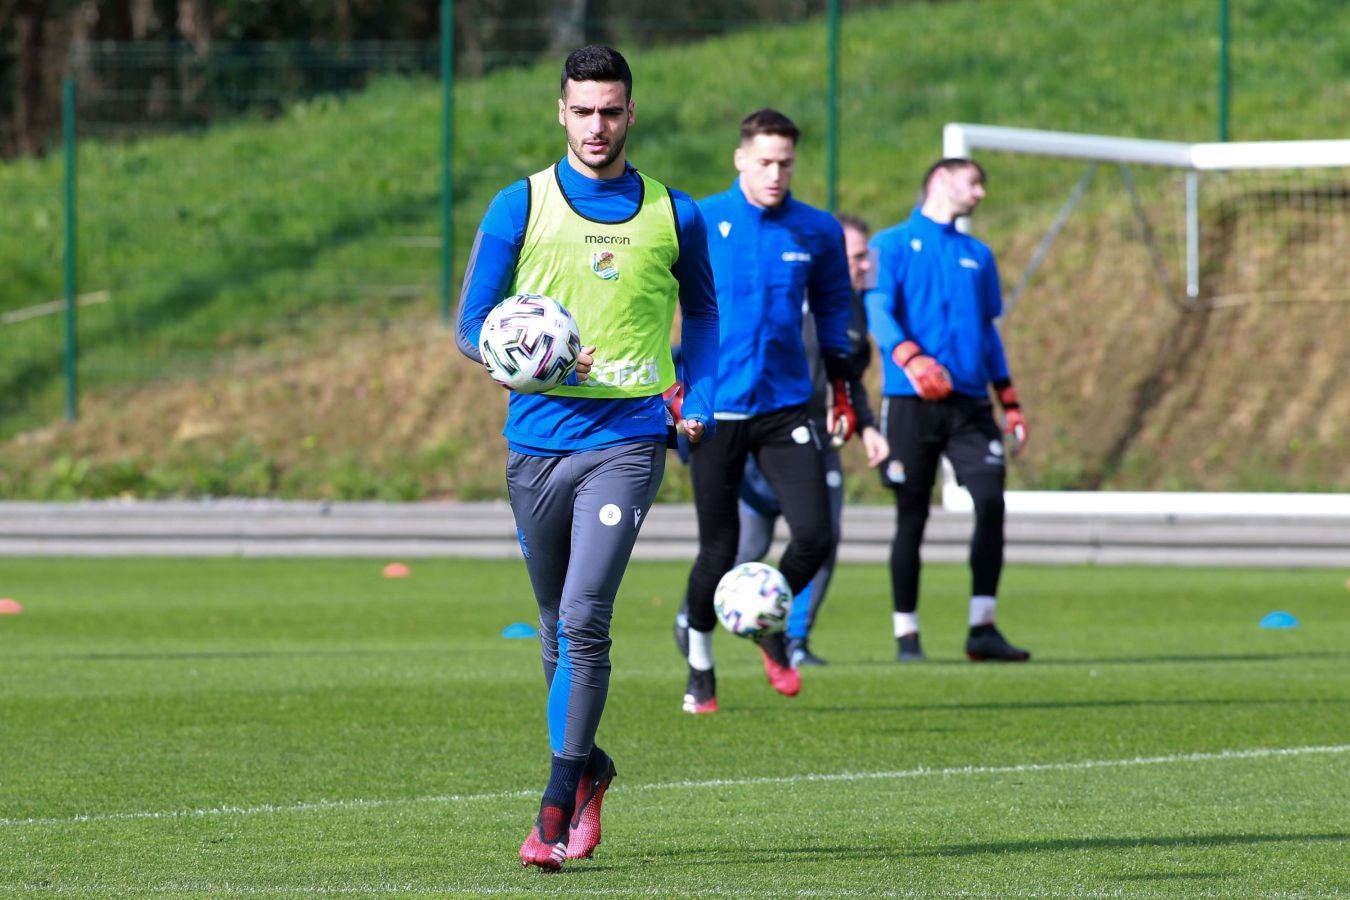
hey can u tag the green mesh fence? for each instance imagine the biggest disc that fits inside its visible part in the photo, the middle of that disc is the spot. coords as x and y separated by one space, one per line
256 204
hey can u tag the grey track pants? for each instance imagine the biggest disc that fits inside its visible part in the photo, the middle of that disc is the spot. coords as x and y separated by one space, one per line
577 518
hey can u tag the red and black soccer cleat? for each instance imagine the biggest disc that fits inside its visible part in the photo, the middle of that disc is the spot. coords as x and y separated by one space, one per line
700 694
584 835
785 679
546 847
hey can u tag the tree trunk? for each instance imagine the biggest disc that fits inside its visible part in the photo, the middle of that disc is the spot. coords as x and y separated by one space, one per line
30 94
569 26
194 24
194 27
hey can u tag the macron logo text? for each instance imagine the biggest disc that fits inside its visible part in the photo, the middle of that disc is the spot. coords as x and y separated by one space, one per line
607 239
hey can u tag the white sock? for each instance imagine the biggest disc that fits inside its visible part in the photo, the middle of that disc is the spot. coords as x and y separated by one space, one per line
905 623
700 650
982 610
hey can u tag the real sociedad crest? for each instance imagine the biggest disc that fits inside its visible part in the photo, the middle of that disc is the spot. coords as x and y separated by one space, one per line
605 265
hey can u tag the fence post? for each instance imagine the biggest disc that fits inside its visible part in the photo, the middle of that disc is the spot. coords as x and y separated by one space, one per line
832 106
68 139
447 154
1223 70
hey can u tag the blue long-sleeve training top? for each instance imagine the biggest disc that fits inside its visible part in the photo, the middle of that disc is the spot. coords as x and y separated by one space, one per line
767 261
547 425
938 288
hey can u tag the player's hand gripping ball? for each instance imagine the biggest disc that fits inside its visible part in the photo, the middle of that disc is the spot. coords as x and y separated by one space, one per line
753 600
529 343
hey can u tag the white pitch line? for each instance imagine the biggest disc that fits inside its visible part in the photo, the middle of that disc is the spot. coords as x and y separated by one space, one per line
319 805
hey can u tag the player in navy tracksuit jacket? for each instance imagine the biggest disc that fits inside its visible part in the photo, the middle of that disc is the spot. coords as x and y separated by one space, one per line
769 252
933 314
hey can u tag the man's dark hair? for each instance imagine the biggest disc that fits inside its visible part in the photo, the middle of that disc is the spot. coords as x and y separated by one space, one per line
597 63
857 224
768 121
949 164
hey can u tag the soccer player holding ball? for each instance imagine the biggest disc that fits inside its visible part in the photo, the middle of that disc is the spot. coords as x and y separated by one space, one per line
585 459
933 313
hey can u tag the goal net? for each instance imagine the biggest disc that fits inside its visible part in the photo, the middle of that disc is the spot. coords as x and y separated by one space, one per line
1226 223
1139 278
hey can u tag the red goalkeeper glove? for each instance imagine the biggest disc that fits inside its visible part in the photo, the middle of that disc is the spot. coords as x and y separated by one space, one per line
1014 423
674 398
841 419
928 376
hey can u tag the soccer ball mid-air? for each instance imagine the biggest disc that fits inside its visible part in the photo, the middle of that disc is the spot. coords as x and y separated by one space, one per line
529 343
753 600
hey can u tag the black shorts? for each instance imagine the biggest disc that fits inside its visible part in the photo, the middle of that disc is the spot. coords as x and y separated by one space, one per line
922 431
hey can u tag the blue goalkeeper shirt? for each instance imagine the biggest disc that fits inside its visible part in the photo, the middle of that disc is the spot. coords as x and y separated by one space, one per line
547 425
938 288
770 263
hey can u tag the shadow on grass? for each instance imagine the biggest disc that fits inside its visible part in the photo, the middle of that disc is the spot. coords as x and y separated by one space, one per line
234 654
768 855
1038 661
1188 658
1125 843
1029 706
1172 876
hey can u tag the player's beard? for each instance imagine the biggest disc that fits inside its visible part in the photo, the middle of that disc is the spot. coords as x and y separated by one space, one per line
963 206
615 147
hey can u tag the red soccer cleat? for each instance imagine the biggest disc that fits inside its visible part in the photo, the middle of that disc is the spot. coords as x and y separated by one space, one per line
584 835
539 850
785 679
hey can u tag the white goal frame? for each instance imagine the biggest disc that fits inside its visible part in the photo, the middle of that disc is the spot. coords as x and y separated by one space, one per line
961 140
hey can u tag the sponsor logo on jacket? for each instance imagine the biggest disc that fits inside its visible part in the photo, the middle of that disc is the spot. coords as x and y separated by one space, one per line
625 372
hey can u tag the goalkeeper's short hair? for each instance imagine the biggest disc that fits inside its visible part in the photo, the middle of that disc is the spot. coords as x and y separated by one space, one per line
949 164
768 121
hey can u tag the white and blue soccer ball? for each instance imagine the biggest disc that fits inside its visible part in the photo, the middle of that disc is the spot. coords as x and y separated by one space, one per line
753 600
529 343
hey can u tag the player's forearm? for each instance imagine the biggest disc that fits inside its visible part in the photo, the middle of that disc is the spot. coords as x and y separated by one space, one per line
996 360
832 309
698 361
881 321
487 278
862 405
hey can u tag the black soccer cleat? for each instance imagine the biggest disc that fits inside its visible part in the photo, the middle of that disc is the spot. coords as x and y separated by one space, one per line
986 644
700 693
682 632
799 654
909 649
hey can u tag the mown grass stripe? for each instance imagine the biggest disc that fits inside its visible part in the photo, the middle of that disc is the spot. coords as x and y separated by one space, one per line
1021 768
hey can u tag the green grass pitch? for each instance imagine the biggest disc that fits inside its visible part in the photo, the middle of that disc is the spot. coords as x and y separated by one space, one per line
308 727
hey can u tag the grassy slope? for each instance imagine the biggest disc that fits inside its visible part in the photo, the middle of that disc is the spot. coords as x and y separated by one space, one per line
284 267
